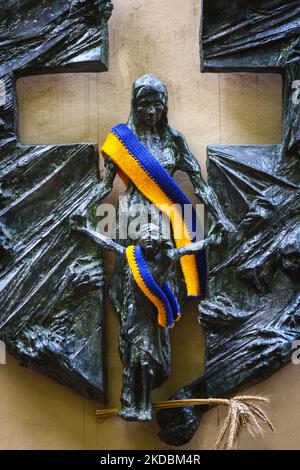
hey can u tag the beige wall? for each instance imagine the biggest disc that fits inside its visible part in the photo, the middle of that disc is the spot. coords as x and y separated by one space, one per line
162 38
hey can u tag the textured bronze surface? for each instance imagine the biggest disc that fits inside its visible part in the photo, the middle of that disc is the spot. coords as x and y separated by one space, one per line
252 313
51 286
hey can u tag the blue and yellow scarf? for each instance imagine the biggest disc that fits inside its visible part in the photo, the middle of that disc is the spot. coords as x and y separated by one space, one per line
155 183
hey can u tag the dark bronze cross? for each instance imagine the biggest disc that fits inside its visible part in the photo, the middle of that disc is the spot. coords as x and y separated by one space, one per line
51 287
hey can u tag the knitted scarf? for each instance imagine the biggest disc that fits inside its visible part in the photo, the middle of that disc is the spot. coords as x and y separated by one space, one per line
155 183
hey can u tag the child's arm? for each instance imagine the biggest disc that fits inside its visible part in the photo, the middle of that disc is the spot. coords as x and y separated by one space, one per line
103 241
78 225
191 249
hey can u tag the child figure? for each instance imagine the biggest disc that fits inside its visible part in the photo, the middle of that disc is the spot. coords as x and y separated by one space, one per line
144 345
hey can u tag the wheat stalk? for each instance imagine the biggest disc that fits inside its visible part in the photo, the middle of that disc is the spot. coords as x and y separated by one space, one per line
244 411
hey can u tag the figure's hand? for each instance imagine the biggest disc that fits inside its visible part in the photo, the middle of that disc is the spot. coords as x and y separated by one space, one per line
221 230
209 241
78 221
212 240
220 313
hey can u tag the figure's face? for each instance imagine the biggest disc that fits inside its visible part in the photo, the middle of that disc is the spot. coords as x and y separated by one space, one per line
149 109
291 264
150 246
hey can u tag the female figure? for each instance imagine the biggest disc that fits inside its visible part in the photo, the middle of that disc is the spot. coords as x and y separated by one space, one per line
144 345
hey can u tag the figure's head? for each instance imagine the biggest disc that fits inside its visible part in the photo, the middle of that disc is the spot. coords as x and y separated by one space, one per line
152 240
290 254
149 102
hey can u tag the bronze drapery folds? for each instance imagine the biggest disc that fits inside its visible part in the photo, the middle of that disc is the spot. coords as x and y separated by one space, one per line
51 286
251 315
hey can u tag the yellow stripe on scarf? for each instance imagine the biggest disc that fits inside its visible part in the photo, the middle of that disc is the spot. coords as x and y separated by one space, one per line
115 149
162 315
